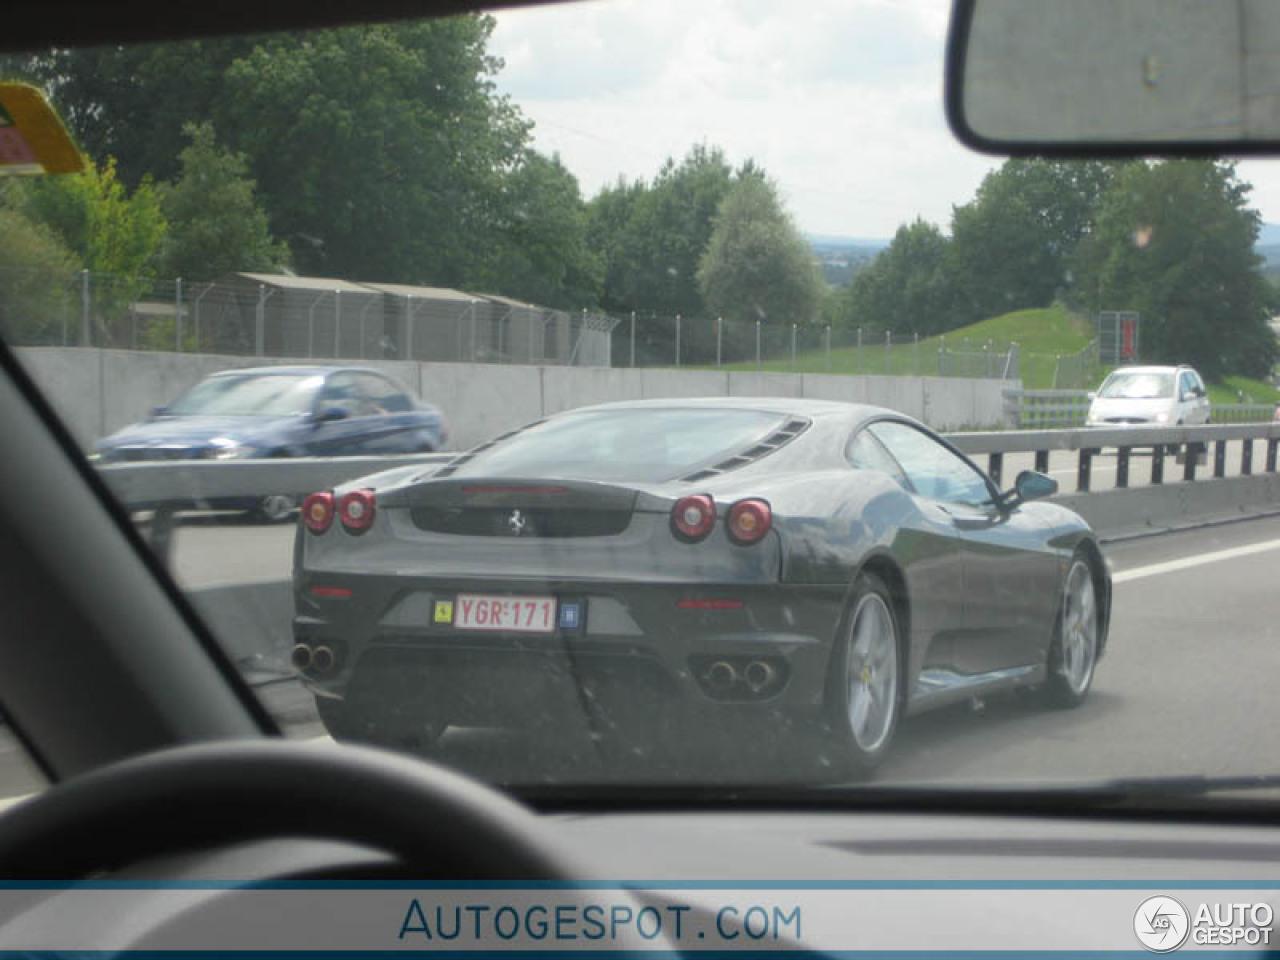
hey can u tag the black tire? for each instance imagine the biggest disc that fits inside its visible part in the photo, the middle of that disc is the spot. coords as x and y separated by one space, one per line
1073 656
352 726
879 688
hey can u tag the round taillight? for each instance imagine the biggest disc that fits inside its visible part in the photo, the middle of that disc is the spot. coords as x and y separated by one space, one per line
356 510
317 512
749 521
694 517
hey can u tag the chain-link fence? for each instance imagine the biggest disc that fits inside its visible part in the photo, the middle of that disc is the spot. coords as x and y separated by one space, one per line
648 340
304 317
268 315
1079 370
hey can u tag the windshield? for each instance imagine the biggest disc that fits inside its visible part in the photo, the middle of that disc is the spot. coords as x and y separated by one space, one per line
250 396
727 260
1138 386
638 445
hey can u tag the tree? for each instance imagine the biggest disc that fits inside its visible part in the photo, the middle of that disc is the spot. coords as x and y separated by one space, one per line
611 232
131 101
215 223
36 273
541 251
907 288
378 151
1011 245
757 266
114 232
1174 241
654 235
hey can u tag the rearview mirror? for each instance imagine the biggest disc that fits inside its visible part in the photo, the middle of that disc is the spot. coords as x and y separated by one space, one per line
1128 77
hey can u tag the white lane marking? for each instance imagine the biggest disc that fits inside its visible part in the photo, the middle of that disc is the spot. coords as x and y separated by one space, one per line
1093 468
1171 566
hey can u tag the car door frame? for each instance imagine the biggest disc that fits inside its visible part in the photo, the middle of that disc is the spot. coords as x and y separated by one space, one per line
1009 578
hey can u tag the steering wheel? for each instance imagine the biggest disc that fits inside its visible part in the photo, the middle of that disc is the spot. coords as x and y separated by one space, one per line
440 824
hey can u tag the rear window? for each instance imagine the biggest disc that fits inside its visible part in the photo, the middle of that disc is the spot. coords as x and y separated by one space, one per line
646 445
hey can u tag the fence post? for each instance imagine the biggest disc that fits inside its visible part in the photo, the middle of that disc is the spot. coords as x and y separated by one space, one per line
471 321
677 341
633 338
915 354
859 349
986 362
337 322
888 356
177 314
195 314
794 362
86 332
757 344
828 348
408 328
260 332
719 331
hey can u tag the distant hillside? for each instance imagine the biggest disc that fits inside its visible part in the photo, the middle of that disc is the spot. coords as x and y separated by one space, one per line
1269 235
842 257
819 240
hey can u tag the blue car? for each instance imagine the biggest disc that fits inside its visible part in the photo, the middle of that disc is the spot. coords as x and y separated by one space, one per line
281 412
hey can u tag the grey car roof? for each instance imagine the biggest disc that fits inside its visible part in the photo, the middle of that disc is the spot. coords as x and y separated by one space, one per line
314 370
804 407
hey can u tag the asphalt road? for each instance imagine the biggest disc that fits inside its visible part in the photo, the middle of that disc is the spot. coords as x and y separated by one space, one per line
1187 685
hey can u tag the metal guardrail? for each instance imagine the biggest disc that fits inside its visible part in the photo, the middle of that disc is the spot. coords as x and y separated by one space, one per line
1038 409
1163 442
169 486
1044 409
182 484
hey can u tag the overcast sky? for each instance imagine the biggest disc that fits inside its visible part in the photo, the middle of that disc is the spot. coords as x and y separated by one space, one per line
839 100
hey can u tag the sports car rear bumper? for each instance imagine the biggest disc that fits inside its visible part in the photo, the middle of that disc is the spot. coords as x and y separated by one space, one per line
631 646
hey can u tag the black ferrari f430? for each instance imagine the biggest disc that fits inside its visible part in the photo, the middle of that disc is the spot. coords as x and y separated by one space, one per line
693 565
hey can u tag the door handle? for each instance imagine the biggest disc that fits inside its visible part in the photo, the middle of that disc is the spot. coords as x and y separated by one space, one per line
971 522
967 521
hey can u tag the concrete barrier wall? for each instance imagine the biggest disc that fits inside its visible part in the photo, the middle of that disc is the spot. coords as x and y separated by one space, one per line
99 391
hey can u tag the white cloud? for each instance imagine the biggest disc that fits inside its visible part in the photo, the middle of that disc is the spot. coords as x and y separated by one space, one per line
840 100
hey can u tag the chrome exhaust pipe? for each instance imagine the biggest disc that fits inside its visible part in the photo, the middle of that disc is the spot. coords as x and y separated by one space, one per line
722 676
322 660
301 657
758 674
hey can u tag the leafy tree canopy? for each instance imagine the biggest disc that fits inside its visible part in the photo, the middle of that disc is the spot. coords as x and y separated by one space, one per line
215 223
757 266
1174 241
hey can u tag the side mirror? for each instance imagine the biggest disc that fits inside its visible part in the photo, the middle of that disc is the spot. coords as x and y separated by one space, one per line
1031 485
159 411
1093 394
329 414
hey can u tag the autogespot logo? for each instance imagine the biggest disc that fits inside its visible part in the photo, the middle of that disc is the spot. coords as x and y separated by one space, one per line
1161 924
